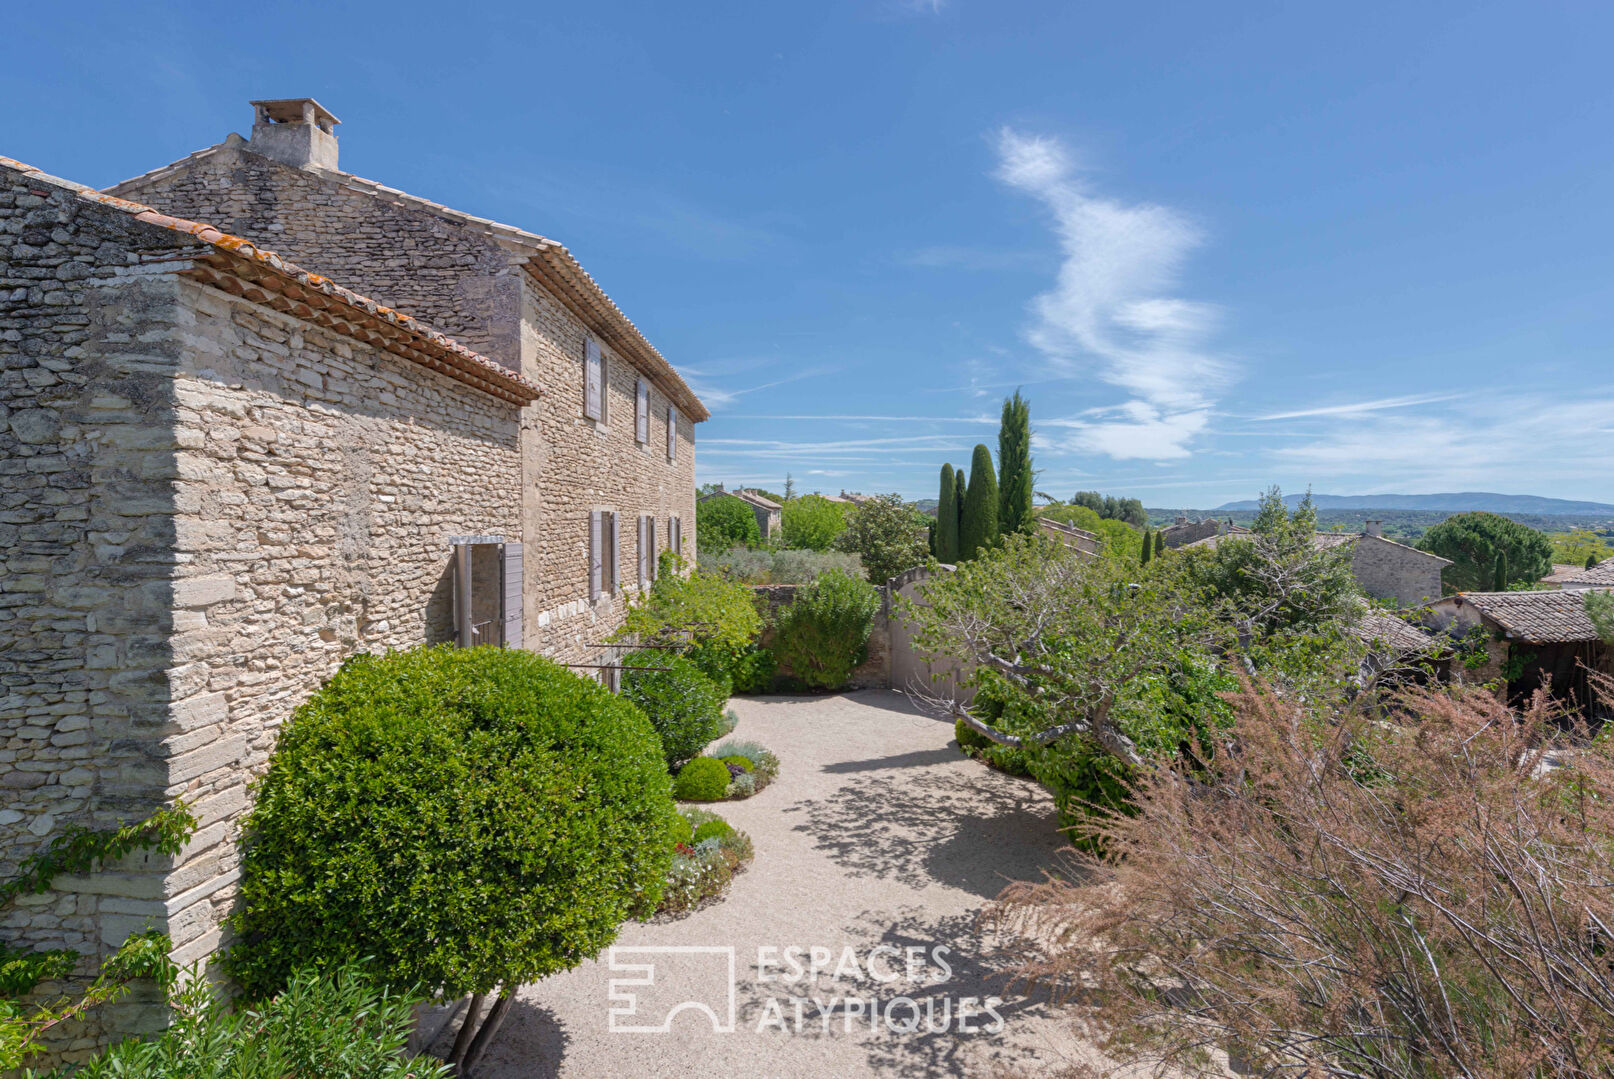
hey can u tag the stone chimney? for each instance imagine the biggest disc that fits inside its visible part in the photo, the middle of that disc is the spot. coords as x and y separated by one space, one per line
1375 528
1182 518
295 131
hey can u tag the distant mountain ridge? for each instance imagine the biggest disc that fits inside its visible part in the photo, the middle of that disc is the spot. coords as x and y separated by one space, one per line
1458 502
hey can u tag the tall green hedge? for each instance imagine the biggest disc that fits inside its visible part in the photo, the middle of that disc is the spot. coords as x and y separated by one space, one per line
824 634
724 522
465 817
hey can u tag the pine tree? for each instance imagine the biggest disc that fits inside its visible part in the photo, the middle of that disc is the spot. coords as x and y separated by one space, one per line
1016 483
790 487
978 525
1159 543
1500 584
1148 548
947 517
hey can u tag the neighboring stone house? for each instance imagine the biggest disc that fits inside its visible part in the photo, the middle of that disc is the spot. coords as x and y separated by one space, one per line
1561 571
1532 639
221 474
769 514
1599 576
608 457
1383 568
1183 531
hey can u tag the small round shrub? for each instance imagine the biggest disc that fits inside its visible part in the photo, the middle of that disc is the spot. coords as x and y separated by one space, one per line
463 817
684 706
714 829
743 785
734 760
704 779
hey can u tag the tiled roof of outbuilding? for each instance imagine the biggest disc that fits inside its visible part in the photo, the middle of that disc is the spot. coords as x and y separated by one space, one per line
1598 575
261 276
1401 638
1547 617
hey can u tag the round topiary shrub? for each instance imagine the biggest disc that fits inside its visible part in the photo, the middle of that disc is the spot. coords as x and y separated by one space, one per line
736 761
465 818
684 706
704 779
714 829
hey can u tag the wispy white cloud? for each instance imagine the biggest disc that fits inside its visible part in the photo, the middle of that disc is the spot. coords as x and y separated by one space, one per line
717 398
1110 307
1361 407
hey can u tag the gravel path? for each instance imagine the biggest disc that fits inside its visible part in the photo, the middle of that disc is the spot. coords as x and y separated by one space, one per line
877 832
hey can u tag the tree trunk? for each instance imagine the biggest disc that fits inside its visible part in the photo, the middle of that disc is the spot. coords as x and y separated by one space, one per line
490 1028
467 1029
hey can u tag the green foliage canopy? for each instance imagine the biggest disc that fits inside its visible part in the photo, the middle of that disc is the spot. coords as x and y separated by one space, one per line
683 705
887 534
824 634
715 615
812 522
724 522
465 818
1476 541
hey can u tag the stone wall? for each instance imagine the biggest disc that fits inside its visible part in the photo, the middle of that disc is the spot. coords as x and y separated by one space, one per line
87 354
204 507
460 281
575 465
1389 570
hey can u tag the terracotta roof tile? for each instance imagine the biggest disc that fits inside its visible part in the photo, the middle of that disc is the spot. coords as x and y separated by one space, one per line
1600 574
1546 617
400 334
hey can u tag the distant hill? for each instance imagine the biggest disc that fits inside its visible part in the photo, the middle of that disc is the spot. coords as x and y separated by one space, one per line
1460 502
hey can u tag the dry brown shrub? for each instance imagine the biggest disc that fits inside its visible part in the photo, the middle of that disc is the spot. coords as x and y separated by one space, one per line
1347 896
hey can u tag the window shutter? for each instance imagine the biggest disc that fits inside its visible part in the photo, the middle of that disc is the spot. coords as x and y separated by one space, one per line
510 592
650 550
593 370
596 550
672 433
641 411
644 563
614 575
675 537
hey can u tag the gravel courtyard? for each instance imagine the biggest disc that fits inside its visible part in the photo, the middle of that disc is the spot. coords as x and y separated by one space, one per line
877 833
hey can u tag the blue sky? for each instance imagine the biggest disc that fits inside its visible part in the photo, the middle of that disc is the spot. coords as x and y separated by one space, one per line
1364 248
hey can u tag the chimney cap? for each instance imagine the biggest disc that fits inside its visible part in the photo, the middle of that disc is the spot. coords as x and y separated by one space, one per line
294 110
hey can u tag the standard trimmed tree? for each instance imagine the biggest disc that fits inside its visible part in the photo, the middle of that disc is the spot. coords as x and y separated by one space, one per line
978 527
1015 479
947 518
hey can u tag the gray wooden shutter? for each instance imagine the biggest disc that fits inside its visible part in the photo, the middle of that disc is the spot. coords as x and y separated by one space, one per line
641 411
672 433
644 563
596 550
675 541
510 592
593 382
650 528
611 550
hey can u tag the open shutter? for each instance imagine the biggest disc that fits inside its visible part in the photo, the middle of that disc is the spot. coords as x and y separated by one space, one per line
593 382
596 552
644 562
672 433
510 594
674 539
613 571
641 412
650 528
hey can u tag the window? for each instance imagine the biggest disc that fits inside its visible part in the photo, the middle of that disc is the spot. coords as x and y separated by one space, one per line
647 551
672 433
641 411
593 381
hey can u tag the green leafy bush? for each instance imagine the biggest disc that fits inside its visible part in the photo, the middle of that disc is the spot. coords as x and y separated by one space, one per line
679 830
737 761
888 536
684 705
824 634
468 818
724 522
340 1025
715 616
704 779
968 737
812 522
754 670
714 829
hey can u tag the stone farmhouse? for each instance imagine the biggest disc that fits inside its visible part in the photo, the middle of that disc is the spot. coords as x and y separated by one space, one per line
1183 531
769 514
222 473
1534 639
1382 567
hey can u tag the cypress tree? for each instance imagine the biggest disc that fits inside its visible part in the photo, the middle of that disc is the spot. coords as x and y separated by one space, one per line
960 490
1159 543
1015 477
978 527
1148 548
1591 561
1500 584
947 517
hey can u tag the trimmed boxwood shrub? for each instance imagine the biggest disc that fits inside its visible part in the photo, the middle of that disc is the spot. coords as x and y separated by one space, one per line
465 818
684 706
764 766
824 634
714 829
704 779
734 759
